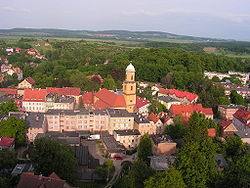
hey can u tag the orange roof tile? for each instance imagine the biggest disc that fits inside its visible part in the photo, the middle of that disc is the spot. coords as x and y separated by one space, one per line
243 116
180 94
64 91
211 132
8 91
140 102
110 99
224 123
88 98
30 80
36 95
153 117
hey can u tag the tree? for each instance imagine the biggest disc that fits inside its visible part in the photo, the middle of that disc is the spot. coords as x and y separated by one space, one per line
156 107
138 174
196 160
50 156
236 98
234 147
224 100
170 178
79 80
7 107
176 130
145 148
109 83
7 159
14 128
106 170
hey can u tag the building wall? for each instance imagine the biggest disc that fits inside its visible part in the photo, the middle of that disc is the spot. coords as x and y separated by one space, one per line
144 110
120 123
144 128
77 122
227 113
32 133
166 148
129 141
29 106
129 90
24 84
168 104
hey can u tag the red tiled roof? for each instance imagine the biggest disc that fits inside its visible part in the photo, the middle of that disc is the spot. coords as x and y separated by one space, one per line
140 102
96 78
211 132
153 117
110 99
6 141
8 91
36 95
99 105
88 98
224 123
180 94
30 80
64 91
187 110
243 116
55 176
17 70
29 180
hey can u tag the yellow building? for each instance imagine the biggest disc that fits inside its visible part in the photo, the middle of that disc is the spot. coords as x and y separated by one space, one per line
129 88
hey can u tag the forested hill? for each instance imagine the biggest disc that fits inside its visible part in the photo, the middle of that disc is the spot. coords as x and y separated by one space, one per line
106 35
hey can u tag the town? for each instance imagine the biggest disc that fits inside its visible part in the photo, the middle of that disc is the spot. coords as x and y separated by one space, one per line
105 131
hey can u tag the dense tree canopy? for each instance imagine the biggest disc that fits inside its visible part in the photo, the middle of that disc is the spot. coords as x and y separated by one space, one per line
145 149
7 107
170 178
14 128
50 156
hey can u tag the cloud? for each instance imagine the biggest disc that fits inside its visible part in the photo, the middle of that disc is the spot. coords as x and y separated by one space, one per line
12 9
138 12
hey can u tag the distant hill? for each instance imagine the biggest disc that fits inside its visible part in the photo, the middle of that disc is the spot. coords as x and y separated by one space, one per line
105 35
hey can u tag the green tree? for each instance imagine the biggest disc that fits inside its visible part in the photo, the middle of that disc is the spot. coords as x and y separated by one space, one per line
7 159
145 148
170 178
236 98
14 128
176 130
233 147
106 170
224 100
109 83
79 80
138 174
50 156
196 160
7 107
156 107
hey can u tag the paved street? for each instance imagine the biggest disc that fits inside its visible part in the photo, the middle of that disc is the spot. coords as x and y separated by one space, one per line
94 150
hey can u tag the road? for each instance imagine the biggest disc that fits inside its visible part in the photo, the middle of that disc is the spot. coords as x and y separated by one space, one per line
94 150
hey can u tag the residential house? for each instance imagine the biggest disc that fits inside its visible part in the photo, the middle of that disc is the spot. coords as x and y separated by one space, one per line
227 128
88 100
168 101
9 50
120 119
6 67
142 106
31 51
34 100
6 142
130 138
143 125
183 96
77 120
39 56
30 180
163 145
157 123
9 91
244 92
46 44
187 110
18 50
26 83
36 123
96 78
241 122
37 45
57 101
227 111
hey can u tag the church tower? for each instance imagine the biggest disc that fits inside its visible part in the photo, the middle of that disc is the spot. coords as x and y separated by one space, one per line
129 88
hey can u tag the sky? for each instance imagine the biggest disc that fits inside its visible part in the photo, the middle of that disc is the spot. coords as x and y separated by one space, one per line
228 19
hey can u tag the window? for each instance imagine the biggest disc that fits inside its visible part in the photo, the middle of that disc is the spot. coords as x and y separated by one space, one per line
132 77
131 88
102 122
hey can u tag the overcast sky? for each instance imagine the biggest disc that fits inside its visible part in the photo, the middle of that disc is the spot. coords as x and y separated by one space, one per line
214 18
